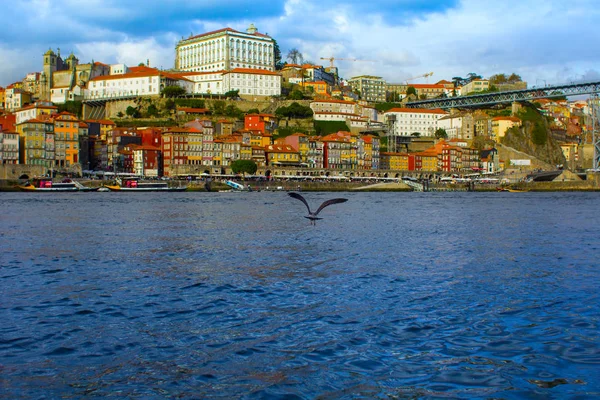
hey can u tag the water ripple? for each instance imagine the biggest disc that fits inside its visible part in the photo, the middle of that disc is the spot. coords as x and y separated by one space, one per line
200 295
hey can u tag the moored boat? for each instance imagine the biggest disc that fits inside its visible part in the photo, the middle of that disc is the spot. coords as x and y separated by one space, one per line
135 185
507 189
47 185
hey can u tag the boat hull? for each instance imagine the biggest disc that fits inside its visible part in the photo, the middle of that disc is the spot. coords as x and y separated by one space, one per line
141 189
31 188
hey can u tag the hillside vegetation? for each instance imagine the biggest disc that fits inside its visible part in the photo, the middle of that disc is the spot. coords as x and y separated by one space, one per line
534 138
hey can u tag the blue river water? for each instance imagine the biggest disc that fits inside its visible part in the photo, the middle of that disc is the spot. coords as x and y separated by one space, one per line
236 295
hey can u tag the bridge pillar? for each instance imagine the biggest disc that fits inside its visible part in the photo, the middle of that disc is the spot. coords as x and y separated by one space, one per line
516 107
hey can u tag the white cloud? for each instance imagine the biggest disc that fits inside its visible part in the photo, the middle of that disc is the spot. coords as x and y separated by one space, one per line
129 52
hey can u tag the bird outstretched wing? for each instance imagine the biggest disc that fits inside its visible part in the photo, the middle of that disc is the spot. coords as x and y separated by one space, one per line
299 197
328 203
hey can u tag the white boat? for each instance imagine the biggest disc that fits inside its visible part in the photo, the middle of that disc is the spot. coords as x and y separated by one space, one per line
135 185
235 185
46 185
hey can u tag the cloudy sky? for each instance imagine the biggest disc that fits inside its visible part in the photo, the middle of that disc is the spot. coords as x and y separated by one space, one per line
544 41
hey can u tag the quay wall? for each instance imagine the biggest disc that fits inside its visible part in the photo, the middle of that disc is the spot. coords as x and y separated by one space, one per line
14 171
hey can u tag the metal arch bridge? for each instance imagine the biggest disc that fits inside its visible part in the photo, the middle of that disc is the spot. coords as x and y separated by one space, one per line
489 99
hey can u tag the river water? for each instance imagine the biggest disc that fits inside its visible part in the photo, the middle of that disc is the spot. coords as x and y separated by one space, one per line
236 295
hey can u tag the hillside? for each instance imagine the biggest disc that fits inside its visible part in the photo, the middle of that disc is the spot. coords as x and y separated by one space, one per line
534 138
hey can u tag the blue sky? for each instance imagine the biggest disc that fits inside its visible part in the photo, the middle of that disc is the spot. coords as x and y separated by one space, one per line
545 41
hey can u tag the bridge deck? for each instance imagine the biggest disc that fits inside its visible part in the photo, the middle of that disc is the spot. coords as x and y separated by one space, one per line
509 96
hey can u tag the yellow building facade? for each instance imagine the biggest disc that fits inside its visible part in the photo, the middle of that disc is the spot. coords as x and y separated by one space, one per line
35 137
501 124
66 137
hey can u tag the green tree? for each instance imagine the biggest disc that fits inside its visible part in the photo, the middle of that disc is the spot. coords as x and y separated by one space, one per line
232 94
152 111
277 56
294 56
416 134
132 112
498 79
73 107
170 104
120 114
514 78
294 110
253 111
218 107
232 111
411 90
440 133
244 167
296 95
173 91
539 134
458 81
471 76
392 97
194 103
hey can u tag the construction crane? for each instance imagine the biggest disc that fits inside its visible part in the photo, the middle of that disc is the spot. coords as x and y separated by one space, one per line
427 75
331 59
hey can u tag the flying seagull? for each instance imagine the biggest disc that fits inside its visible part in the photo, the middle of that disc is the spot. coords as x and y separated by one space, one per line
313 215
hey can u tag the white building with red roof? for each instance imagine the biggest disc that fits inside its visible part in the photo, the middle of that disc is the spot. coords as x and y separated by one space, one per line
226 49
136 81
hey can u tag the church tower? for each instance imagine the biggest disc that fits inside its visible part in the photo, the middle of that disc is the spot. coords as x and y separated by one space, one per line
50 61
72 61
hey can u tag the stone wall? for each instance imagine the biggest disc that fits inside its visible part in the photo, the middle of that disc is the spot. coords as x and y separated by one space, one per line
14 171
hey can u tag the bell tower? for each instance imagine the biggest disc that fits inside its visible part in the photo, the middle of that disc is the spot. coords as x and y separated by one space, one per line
50 60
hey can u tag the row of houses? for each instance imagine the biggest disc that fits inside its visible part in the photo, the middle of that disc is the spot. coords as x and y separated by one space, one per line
41 135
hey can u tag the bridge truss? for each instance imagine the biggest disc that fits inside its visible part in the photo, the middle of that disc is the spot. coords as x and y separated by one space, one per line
595 105
490 99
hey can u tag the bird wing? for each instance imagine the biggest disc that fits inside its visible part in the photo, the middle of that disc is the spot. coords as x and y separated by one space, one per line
299 197
328 203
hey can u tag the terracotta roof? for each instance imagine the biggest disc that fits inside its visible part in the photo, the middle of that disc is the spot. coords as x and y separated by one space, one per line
513 119
261 115
140 72
280 148
183 130
35 121
192 110
336 113
341 136
334 101
32 106
426 86
135 147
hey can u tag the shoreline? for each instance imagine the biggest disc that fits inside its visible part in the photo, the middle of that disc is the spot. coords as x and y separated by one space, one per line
563 186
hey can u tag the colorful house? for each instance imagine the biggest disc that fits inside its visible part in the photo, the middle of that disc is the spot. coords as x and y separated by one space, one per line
66 136
298 141
282 155
501 124
394 161
264 123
